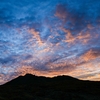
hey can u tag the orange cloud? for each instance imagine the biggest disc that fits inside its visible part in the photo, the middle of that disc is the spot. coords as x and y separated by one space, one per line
70 38
61 12
36 35
87 71
28 69
90 55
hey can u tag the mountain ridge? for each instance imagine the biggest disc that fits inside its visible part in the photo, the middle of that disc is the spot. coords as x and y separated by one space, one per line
31 87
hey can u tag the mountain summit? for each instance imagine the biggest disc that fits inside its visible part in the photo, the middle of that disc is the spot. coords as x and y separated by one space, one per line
31 87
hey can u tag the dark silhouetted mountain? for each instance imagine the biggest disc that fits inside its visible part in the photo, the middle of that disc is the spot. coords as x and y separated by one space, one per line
31 87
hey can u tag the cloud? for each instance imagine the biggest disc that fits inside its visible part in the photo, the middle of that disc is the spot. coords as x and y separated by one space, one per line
36 35
7 60
61 12
49 38
91 54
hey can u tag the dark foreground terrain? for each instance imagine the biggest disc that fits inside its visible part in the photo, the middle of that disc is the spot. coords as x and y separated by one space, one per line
31 87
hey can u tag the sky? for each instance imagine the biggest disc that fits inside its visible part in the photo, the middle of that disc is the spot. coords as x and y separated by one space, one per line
50 38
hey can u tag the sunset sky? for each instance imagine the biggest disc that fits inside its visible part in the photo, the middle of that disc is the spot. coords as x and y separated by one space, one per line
50 38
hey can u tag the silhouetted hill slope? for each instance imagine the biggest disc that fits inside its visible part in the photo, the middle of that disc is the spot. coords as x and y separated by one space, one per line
32 79
30 87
